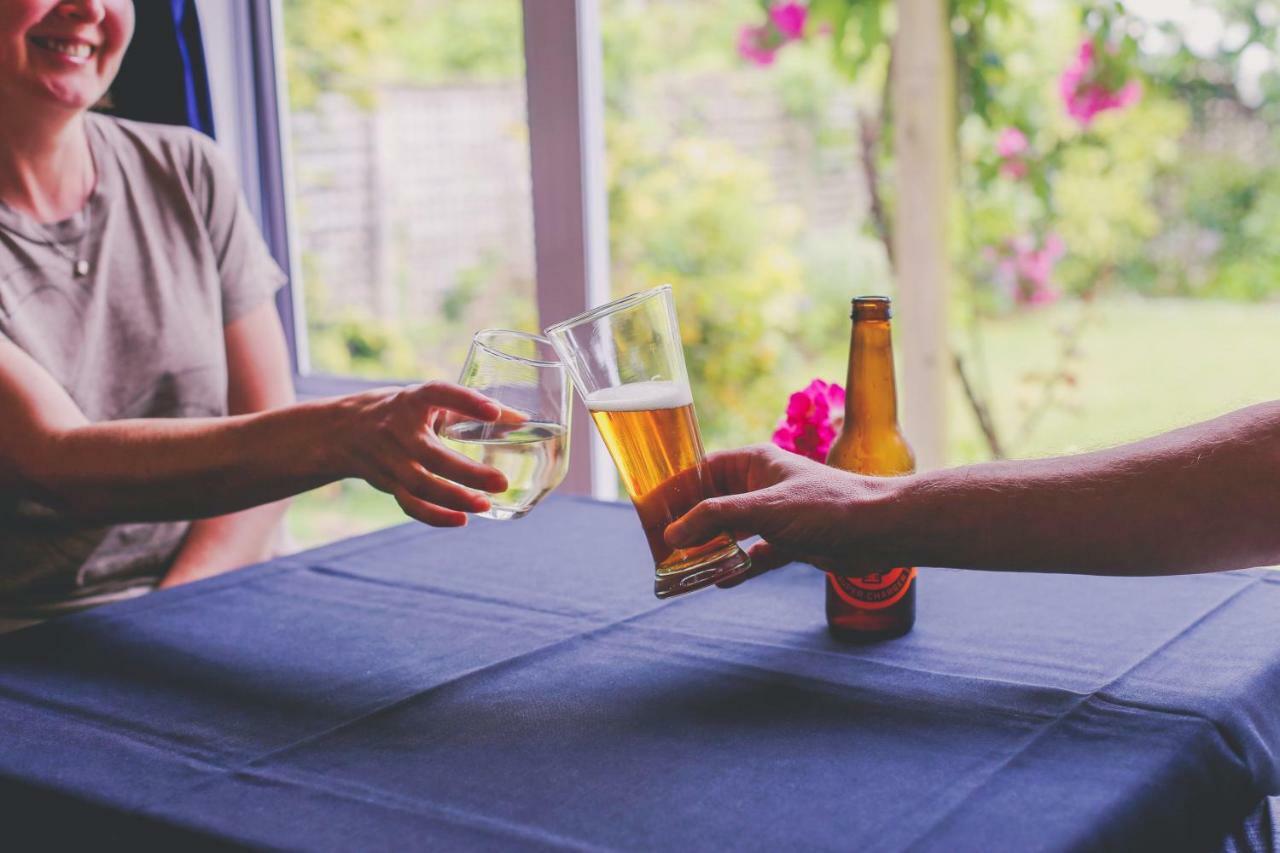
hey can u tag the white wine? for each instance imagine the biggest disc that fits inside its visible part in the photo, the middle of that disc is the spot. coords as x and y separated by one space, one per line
533 455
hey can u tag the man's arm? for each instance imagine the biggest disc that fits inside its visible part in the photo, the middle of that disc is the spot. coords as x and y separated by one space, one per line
258 379
1202 498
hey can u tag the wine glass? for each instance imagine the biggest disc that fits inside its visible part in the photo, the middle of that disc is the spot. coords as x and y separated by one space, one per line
523 373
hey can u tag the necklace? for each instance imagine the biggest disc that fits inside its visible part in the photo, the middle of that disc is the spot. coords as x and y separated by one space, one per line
79 266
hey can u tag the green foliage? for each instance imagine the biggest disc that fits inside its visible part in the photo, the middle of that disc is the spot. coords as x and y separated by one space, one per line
700 216
354 46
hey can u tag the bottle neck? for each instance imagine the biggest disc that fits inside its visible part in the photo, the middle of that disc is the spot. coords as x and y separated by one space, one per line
871 400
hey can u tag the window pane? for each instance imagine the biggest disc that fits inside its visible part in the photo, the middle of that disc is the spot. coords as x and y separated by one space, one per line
412 204
1114 275
1119 258
411 171
742 186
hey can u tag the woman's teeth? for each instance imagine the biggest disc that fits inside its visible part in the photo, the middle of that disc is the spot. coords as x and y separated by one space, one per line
74 49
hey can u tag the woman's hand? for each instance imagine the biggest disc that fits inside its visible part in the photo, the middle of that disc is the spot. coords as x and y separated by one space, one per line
390 440
803 510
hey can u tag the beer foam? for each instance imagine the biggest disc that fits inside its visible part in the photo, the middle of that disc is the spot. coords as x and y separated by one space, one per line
640 397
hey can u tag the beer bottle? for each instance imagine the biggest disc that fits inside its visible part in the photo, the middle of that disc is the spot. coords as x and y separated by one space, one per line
878 606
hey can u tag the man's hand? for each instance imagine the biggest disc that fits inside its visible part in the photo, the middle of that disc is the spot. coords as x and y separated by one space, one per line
803 510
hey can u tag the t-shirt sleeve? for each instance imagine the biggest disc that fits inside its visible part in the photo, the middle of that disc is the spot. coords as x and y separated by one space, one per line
249 274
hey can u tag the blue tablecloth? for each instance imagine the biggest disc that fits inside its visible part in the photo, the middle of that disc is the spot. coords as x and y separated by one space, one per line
516 685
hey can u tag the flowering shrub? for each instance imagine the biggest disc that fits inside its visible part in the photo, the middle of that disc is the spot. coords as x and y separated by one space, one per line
814 417
1094 83
759 43
1011 145
1024 269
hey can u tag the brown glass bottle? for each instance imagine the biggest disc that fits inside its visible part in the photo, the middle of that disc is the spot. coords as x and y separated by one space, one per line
880 606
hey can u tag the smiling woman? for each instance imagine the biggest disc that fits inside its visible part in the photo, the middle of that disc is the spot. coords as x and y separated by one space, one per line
149 436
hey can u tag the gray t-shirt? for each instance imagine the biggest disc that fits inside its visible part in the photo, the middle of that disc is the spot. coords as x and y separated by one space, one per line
174 255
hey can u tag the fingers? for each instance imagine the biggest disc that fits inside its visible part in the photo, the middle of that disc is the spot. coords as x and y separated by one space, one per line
448 463
710 518
728 470
764 558
429 513
422 484
464 401
511 416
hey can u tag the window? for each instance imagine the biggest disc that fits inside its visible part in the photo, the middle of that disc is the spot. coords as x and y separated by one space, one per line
429 199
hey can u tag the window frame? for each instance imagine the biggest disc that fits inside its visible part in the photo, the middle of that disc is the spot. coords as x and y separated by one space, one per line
564 80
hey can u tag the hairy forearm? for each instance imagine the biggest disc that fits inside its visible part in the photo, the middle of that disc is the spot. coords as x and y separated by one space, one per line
1203 498
165 469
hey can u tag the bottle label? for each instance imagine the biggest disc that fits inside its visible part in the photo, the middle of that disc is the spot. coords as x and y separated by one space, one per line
876 591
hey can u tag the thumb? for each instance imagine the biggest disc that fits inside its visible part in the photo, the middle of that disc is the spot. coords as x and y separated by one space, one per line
708 519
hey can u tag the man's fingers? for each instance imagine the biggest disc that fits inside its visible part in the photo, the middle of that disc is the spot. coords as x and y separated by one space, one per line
764 558
429 513
727 470
706 520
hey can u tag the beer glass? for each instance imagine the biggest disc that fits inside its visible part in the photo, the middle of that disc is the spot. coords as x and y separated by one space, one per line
627 362
523 373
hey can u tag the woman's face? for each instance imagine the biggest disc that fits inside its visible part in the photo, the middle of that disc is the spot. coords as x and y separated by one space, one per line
61 53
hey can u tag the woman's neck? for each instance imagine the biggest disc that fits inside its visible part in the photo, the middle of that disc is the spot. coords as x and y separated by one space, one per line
46 168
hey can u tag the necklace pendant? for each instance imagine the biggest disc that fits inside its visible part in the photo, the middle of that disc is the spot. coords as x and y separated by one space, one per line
81 268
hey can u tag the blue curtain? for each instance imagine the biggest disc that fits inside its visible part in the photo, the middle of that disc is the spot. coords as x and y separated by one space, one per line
163 77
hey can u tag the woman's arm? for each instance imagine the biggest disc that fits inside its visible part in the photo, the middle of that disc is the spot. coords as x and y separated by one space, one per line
258 379
1202 498
162 469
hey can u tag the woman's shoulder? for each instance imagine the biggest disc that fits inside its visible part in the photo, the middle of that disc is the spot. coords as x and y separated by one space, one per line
150 151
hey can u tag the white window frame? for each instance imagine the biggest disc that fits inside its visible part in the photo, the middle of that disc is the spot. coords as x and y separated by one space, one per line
564 79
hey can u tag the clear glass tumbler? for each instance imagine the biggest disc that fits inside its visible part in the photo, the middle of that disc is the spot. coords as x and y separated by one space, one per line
627 362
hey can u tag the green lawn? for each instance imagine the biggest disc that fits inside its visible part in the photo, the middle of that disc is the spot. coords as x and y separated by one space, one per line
1143 367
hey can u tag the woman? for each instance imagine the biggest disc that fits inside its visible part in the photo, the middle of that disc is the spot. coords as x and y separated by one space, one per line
143 375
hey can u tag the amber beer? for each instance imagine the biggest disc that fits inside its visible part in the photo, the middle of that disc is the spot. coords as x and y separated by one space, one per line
651 431
878 606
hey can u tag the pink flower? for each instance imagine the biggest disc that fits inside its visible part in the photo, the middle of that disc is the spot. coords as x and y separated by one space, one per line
1026 271
756 44
789 18
814 417
1084 93
1011 143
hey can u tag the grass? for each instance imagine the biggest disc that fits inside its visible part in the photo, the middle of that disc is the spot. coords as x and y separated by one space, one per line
1143 366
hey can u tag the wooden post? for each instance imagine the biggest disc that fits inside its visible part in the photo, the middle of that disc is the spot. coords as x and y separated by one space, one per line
923 101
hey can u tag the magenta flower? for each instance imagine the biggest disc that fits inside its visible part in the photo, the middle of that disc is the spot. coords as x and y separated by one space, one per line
789 19
1083 91
1025 270
814 417
1011 145
757 44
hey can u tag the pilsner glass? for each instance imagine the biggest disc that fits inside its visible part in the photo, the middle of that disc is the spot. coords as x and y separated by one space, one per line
522 372
627 362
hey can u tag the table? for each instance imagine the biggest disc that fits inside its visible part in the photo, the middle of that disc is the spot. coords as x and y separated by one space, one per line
515 685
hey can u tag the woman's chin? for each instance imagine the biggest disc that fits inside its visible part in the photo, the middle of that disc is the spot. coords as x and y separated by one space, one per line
68 95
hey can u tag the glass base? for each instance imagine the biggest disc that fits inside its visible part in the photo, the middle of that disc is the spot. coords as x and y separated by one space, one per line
499 513
714 568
